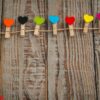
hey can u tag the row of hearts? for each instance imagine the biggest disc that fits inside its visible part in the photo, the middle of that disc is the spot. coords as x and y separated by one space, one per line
8 22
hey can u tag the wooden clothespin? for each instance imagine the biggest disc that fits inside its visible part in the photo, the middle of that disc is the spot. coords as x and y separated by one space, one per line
54 20
70 21
87 18
38 21
98 17
22 20
8 22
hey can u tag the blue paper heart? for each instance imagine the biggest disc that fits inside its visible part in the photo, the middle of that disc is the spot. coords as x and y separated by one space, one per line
54 19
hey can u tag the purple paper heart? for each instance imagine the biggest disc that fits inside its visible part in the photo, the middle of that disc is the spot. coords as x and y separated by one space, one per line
98 16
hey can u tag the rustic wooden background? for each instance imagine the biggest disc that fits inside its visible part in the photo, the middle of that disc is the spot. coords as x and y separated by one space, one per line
47 67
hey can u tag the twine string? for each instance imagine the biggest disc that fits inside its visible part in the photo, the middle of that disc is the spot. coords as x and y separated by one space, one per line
60 29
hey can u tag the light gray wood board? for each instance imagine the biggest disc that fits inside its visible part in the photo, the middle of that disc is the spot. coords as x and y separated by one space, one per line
23 59
0 50
71 73
95 10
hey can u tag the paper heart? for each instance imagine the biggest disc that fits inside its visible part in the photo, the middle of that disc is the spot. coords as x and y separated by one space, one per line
39 20
1 97
8 22
88 18
54 19
22 19
98 16
70 20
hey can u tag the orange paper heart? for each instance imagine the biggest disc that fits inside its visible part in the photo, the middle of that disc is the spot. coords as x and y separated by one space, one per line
8 22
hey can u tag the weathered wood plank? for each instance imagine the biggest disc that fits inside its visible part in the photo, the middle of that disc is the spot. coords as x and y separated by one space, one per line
57 89
71 73
23 59
12 54
95 10
0 51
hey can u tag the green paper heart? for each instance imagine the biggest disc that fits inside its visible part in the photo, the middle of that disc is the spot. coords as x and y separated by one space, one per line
39 20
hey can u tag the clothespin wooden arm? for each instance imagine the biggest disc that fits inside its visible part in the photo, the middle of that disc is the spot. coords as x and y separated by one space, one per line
54 20
22 20
54 29
87 18
70 21
71 30
22 33
7 33
38 21
36 31
85 30
8 22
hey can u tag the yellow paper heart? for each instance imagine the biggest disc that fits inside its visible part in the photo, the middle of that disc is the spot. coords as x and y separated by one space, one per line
88 18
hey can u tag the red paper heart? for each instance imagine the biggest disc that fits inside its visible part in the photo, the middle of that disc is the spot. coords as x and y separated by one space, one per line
1 97
8 22
70 20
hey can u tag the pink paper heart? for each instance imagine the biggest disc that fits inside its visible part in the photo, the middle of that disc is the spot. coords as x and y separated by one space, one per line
98 16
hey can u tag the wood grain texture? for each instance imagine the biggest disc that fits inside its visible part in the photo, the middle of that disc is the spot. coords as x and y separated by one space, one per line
49 67
95 10
71 73
23 59
0 50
